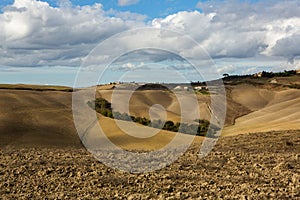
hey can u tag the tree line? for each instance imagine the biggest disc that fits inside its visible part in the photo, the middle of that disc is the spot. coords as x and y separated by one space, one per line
200 127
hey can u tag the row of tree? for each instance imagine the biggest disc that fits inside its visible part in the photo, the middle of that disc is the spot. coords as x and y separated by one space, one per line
200 127
285 73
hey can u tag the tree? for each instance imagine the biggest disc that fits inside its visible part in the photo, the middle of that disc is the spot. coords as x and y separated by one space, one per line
103 107
169 125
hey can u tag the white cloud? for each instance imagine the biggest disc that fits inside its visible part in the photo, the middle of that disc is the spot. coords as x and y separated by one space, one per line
35 34
241 30
227 69
132 66
127 2
64 3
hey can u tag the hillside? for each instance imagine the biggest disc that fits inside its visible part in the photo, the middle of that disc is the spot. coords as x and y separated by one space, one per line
42 115
38 139
39 118
272 106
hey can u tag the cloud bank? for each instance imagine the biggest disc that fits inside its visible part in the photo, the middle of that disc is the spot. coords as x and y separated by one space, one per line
241 30
35 34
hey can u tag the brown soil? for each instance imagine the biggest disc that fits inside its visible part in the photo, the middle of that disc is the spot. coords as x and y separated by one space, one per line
250 166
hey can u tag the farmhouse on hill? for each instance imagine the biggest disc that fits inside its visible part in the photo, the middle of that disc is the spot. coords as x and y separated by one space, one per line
274 81
258 75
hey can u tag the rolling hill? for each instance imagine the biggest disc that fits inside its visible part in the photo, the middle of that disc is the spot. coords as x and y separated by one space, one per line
42 116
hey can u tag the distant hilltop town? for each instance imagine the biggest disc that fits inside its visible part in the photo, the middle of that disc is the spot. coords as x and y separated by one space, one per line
204 87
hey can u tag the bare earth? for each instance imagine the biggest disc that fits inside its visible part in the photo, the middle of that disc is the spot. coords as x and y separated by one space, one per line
43 158
250 166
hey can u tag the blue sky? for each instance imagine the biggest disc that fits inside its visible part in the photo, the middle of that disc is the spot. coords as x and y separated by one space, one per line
46 42
147 7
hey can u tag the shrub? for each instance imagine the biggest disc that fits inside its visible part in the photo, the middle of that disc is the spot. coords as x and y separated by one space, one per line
168 125
201 128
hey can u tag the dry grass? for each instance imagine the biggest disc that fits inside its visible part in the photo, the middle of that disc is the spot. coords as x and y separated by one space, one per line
36 87
32 117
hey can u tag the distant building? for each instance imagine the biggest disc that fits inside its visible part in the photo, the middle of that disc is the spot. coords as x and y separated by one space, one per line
258 75
274 81
186 88
181 88
178 87
200 88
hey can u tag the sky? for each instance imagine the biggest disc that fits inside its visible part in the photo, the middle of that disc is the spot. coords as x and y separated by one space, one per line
56 41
